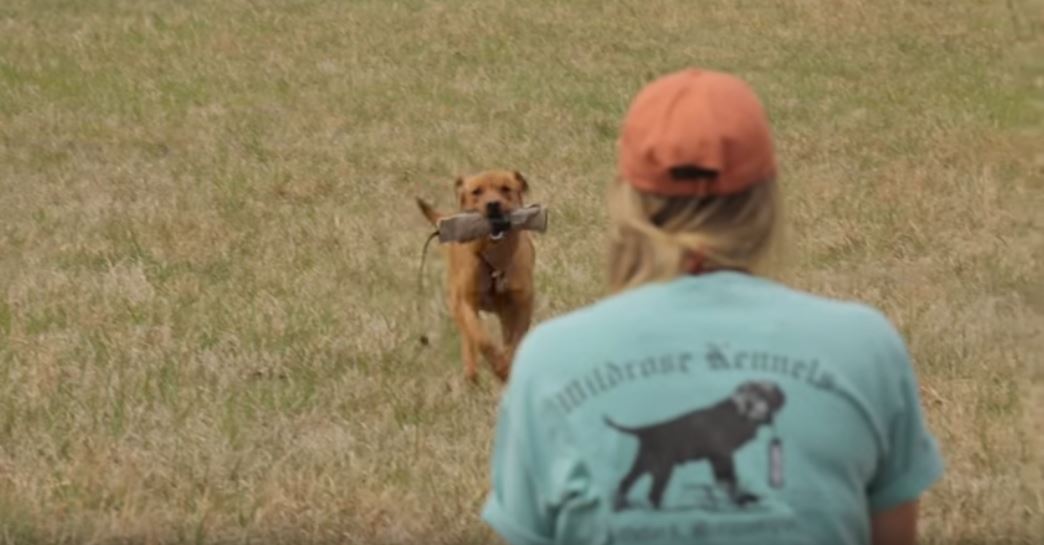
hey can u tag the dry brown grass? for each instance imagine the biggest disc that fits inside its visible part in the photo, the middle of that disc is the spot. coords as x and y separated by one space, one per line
207 248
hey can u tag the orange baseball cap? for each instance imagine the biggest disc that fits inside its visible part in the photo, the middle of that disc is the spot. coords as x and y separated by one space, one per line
696 133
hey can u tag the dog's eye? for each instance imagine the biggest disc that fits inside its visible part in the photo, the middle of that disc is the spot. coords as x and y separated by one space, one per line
505 189
477 191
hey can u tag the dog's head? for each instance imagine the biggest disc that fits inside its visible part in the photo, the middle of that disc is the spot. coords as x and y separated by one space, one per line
758 401
493 193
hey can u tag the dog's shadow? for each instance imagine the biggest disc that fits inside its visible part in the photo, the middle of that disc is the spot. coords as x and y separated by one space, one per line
701 497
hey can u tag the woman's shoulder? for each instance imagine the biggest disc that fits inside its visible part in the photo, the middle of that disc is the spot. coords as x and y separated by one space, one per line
575 333
594 316
849 326
842 312
774 292
797 315
755 296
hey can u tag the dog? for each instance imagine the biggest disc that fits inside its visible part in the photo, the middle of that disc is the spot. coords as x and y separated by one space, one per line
713 433
493 274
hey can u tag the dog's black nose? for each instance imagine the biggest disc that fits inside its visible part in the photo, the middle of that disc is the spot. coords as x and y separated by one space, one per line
493 209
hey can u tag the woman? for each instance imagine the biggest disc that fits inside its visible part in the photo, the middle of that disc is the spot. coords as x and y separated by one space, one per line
703 403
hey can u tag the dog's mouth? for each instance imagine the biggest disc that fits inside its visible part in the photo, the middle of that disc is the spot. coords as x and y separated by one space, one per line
499 222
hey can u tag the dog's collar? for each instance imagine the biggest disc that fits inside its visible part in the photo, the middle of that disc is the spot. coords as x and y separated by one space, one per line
497 276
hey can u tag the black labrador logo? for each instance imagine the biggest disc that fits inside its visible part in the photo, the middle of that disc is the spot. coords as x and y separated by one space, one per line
712 433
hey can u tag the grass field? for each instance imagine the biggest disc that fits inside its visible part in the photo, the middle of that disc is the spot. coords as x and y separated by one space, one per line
208 247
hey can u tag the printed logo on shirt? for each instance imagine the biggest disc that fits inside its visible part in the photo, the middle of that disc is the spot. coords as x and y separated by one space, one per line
713 434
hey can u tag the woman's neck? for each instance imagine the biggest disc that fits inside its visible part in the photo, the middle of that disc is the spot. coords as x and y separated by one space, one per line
696 265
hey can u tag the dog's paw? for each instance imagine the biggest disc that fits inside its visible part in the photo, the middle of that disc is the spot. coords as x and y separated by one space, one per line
745 498
503 371
500 364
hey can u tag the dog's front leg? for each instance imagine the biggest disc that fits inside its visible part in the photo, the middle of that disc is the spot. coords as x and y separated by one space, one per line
470 354
725 474
468 348
514 323
475 339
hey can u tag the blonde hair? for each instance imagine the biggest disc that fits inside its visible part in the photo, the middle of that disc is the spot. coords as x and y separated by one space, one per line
653 237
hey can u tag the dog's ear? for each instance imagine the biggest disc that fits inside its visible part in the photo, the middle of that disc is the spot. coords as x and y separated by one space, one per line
523 185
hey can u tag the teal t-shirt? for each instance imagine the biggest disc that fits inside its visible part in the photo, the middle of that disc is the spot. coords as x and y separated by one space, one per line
720 408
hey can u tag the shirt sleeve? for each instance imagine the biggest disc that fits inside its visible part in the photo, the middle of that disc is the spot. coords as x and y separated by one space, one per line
911 462
540 486
514 508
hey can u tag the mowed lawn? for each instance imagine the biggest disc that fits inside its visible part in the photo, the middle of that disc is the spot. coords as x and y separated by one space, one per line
209 316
